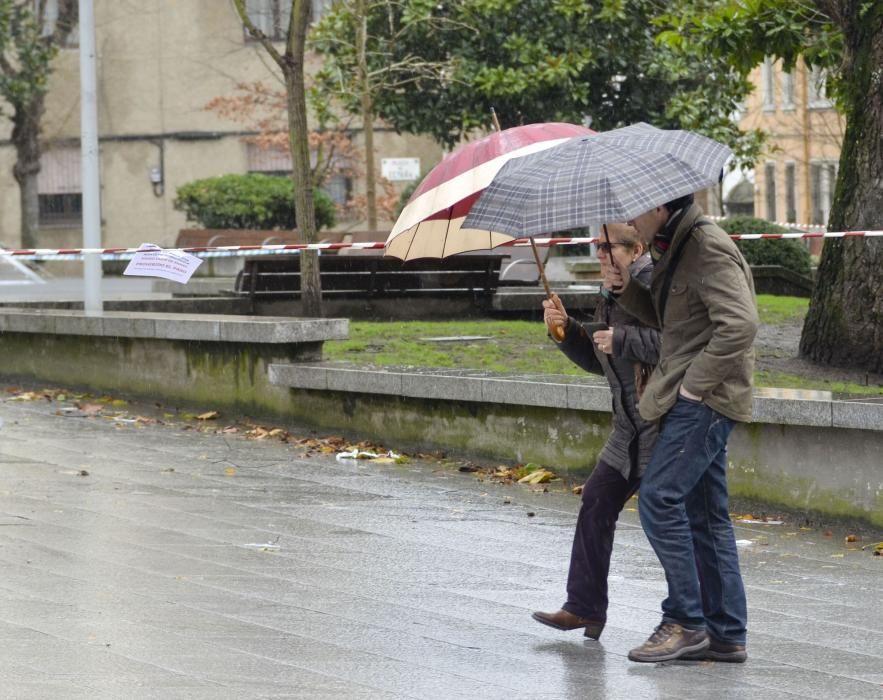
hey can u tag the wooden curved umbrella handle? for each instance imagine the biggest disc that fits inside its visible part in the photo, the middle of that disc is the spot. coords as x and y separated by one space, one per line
558 332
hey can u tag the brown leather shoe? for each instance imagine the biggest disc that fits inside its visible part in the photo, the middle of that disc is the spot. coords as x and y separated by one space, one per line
563 620
670 641
720 651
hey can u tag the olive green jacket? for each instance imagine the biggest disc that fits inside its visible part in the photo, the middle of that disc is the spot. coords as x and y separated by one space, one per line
709 322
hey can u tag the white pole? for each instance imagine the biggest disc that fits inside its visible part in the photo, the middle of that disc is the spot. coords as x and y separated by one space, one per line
92 302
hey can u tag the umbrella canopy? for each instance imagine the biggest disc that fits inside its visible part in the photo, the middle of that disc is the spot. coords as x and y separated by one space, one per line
611 176
431 225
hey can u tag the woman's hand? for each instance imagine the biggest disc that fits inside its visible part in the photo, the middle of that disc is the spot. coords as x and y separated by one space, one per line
604 340
555 317
616 279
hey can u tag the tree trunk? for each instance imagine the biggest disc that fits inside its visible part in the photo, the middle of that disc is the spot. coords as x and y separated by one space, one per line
304 210
370 172
26 139
844 326
367 114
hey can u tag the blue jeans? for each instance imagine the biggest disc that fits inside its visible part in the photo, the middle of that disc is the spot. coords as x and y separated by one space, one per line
685 515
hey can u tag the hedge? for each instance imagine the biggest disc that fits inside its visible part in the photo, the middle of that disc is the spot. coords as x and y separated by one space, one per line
252 201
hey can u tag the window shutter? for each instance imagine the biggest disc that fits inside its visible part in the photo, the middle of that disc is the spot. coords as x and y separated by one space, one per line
60 172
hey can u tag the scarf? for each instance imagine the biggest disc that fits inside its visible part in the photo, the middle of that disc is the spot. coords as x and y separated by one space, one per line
662 240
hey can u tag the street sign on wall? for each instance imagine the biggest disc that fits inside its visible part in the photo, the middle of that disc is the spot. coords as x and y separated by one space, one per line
400 169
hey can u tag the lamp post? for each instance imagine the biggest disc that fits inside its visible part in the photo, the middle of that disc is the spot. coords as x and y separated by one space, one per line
92 302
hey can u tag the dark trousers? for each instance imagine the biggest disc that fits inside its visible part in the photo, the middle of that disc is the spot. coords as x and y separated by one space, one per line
604 495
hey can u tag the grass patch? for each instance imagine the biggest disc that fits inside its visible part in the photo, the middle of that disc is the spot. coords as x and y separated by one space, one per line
775 310
522 347
783 380
514 346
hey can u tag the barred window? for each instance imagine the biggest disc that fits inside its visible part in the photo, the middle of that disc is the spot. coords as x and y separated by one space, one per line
59 192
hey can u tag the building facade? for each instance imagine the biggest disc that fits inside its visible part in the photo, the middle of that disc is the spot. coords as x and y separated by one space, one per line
160 62
794 183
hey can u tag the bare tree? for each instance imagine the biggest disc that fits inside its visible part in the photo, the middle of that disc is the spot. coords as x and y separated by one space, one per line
29 40
362 42
291 62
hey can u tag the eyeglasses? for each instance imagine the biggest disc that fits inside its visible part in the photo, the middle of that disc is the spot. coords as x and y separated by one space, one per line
605 247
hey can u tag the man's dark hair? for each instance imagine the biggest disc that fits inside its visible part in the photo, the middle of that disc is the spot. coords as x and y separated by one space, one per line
679 203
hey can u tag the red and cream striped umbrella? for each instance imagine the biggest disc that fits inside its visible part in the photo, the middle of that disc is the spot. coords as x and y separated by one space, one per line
431 225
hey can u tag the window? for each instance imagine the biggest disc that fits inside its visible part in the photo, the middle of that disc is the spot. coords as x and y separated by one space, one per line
787 90
270 16
339 188
274 161
770 184
818 98
59 193
268 160
823 175
768 84
791 192
319 7
50 17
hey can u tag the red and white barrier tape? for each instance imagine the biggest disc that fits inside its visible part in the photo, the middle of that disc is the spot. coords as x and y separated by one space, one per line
243 250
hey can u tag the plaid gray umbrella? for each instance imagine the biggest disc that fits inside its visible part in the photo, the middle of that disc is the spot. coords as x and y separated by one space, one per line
607 177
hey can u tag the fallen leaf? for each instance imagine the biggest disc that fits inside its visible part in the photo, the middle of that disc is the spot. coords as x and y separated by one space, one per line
852 538
541 476
577 490
90 409
530 514
382 460
208 415
229 471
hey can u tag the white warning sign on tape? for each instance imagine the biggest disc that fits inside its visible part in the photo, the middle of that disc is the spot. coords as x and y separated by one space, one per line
153 261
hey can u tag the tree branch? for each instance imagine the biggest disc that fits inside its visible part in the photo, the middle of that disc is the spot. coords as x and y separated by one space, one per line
257 34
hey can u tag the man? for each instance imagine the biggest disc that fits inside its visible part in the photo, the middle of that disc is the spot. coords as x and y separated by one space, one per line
701 296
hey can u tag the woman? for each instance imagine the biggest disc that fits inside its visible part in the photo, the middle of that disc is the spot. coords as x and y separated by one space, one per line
624 353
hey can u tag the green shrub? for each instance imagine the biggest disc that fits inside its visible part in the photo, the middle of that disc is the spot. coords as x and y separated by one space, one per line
406 195
788 253
252 201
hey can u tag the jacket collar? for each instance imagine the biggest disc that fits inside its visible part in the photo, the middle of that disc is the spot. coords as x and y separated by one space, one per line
682 230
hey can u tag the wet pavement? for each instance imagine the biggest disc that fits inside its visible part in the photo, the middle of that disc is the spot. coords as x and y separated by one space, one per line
144 561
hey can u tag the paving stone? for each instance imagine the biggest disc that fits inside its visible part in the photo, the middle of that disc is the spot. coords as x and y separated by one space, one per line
316 578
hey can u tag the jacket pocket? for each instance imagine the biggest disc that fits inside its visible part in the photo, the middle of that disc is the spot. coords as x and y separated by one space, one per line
677 306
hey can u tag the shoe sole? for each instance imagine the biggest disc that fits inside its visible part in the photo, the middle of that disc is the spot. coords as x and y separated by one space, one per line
590 631
730 657
679 654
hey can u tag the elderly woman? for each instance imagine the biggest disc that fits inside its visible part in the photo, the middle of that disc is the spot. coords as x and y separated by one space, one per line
625 353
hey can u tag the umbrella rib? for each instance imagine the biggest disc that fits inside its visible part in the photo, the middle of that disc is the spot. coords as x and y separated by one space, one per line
447 230
411 242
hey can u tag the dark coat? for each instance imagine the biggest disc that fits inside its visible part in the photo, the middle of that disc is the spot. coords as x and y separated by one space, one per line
629 445
709 322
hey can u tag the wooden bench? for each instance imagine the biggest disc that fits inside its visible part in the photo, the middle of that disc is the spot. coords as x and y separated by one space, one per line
372 277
